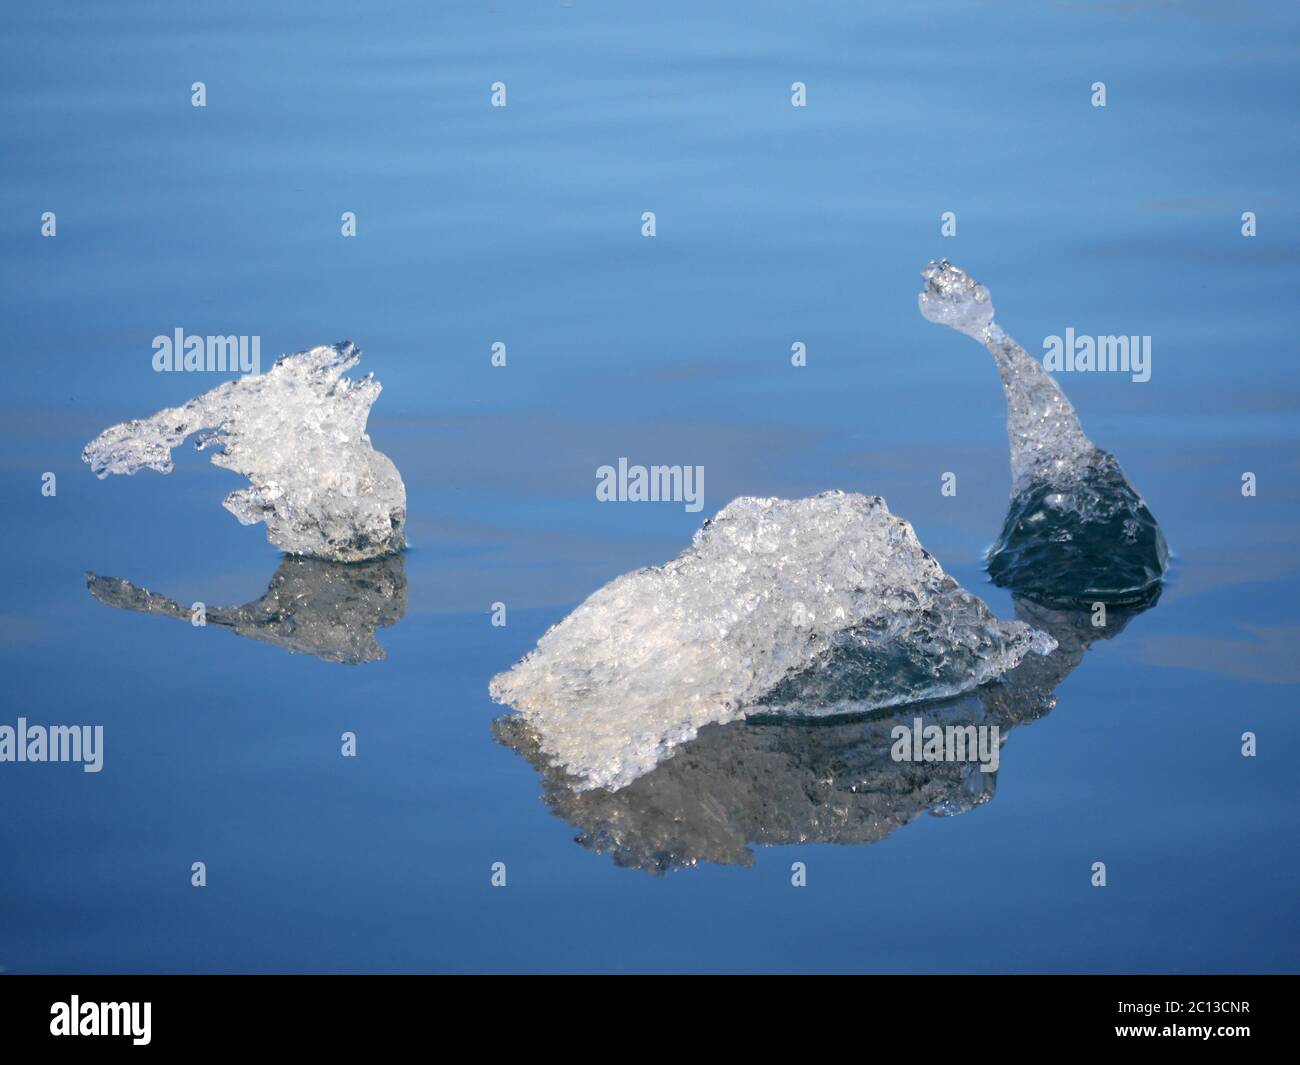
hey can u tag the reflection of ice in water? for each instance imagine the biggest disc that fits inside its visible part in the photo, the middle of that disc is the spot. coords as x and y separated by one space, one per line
1077 531
772 597
326 609
298 433
766 782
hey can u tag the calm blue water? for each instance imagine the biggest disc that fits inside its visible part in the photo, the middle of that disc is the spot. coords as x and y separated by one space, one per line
522 225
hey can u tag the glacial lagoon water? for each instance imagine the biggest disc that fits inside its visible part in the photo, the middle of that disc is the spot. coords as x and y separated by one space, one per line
522 225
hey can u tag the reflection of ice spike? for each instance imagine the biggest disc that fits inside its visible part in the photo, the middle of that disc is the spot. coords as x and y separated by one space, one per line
1076 530
655 655
326 609
298 433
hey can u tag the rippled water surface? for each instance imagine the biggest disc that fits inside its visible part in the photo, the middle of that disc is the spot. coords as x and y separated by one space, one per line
521 224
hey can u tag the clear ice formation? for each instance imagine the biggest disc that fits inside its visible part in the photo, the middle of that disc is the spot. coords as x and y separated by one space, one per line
804 608
327 609
298 433
1077 530
767 781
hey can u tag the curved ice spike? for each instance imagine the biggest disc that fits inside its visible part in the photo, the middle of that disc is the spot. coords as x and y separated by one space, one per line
298 433
1076 529
1044 432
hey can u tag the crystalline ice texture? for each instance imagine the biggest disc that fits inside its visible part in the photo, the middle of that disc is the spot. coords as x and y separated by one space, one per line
771 593
298 433
1077 530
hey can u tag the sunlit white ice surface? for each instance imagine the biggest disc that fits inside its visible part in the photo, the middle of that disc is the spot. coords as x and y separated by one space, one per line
298 433
774 597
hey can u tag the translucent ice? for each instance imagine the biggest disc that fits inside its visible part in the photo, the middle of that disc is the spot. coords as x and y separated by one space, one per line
327 609
1077 530
298 433
810 606
1047 442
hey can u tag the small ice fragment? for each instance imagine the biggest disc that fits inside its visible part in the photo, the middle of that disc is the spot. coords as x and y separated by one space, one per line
298 433
1076 530
772 597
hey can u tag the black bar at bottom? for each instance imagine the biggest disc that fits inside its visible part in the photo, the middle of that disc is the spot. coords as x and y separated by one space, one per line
340 1013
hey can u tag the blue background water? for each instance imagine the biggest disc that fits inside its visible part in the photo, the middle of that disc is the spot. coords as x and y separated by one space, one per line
522 224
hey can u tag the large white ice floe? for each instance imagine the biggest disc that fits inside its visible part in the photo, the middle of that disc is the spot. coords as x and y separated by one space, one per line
298 433
798 607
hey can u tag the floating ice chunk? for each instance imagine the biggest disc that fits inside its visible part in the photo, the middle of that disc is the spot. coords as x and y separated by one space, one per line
1077 530
772 595
298 433
768 781
326 609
